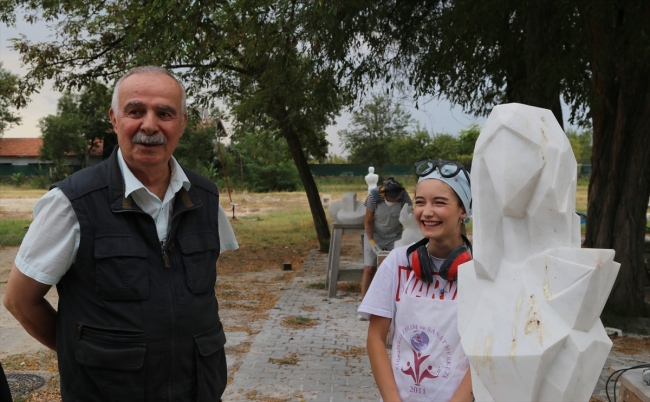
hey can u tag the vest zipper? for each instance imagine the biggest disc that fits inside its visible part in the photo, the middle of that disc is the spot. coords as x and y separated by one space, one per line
169 246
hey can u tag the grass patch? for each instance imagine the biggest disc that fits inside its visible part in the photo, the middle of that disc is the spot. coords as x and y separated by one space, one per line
289 360
351 287
316 285
345 184
12 231
308 308
298 322
22 191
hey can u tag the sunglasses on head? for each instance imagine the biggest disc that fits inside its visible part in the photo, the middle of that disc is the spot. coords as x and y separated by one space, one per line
446 168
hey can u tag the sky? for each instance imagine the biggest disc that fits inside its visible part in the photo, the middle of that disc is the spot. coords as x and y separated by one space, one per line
437 116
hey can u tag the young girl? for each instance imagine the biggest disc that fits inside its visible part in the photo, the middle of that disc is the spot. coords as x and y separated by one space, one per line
414 296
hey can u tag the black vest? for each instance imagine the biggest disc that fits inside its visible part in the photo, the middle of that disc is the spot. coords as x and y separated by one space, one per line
136 322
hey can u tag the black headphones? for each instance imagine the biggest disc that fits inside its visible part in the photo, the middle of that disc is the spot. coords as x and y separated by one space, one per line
423 268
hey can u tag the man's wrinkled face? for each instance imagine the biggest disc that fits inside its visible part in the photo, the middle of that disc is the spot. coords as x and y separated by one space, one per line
149 120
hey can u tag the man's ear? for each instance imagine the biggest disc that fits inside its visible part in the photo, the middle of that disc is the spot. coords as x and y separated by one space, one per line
113 117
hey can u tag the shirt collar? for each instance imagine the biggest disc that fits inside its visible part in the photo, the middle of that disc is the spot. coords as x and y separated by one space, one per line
131 183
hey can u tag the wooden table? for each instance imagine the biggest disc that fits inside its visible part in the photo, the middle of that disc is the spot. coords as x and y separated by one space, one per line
632 387
333 273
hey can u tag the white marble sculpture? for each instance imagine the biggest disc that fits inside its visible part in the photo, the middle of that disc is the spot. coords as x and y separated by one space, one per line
371 179
411 232
348 210
530 301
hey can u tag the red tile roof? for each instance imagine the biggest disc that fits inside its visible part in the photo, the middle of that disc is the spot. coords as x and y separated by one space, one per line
30 147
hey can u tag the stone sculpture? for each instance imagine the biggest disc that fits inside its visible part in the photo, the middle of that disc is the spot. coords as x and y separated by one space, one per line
411 232
371 179
348 210
530 301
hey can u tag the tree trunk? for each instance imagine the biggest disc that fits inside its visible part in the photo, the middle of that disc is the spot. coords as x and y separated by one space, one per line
315 205
620 177
541 47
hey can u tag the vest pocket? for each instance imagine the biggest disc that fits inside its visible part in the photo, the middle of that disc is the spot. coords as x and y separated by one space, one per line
200 251
211 368
121 268
112 361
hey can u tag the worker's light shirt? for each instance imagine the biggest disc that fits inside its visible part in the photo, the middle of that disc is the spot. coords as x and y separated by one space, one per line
52 241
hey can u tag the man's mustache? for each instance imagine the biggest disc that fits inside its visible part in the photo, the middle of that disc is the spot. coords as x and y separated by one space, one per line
155 139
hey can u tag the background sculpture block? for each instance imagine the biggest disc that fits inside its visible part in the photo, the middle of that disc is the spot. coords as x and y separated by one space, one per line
530 301
348 210
411 232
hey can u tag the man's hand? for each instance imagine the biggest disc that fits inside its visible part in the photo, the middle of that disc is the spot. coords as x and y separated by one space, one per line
24 299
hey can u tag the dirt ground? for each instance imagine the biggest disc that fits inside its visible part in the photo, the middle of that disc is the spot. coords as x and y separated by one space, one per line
17 208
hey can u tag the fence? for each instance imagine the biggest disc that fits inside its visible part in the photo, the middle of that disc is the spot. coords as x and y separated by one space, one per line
359 170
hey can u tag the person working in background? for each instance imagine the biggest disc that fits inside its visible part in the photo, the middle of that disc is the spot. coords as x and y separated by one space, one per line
382 225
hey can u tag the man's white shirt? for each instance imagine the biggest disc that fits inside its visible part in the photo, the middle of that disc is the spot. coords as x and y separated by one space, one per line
52 241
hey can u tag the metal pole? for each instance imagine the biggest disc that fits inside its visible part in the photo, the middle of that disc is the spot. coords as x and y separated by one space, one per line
241 170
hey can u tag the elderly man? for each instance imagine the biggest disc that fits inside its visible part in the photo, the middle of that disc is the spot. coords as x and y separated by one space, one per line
132 245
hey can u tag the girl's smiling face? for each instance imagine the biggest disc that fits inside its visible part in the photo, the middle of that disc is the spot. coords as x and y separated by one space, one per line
438 210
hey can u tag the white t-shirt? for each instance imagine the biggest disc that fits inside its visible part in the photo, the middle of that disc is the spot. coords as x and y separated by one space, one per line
391 279
52 241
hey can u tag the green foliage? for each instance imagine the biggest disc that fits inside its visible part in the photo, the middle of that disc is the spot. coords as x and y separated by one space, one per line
40 182
334 159
8 88
265 160
12 231
581 143
468 139
80 123
196 149
374 130
17 179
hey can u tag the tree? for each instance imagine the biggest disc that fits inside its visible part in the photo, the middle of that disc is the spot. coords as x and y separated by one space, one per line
581 144
374 130
265 159
252 53
412 148
80 124
196 149
8 87
62 134
595 53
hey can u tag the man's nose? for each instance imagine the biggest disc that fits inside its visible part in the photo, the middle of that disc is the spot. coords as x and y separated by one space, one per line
149 123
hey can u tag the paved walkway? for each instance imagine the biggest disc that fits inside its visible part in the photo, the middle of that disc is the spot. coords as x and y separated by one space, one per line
329 359
331 365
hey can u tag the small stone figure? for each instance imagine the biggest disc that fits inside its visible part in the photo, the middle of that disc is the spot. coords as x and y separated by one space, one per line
371 179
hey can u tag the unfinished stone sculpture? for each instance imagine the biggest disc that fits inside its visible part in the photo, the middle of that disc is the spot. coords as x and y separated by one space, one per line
411 232
348 210
371 179
529 303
